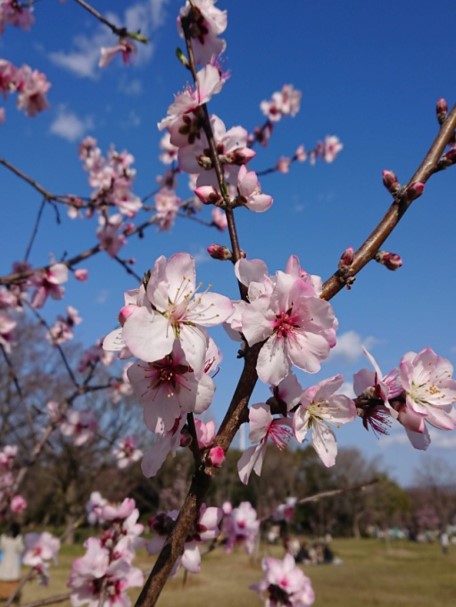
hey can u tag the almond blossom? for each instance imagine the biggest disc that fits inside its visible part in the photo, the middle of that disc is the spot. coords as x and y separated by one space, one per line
32 87
262 426
205 23
320 406
126 48
206 529
126 452
241 525
173 310
298 327
283 103
48 284
430 390
167 388
209 81
79 425
16 13
285 584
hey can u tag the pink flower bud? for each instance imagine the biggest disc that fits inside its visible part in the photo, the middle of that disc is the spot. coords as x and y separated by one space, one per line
390 181
301 154
208 194
414 191
241 156
218 251
129 228
441 110
216 456
18 504
392 261
346 259
126 312
81 274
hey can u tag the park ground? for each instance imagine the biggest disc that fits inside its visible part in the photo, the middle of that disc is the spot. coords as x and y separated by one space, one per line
373 573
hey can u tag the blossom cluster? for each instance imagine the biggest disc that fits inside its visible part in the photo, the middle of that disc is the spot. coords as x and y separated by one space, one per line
30 85
420 391
105 572
284 584
40 549
164 325
16 13
9 499
206 529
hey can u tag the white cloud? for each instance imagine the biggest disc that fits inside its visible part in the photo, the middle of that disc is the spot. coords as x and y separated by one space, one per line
102 297
131 87
442 439
82 60
349 346
69 126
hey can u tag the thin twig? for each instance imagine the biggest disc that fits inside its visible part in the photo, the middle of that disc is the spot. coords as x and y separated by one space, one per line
374 241
35 229
333 492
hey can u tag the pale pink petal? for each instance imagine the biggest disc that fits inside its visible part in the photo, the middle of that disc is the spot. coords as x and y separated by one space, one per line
324 443
148 335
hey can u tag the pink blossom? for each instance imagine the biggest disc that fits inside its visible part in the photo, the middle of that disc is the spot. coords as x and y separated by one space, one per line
249 191
8 77
285 511
219 219
209 81
81 274
174 311
48 283
167 205
81 426
94 507
298 327
284 584
319 406
40 548
169 153
7 456
62 330
283 164
13 12
332 147
205 433
18 504
284 103
7 326
262 426
125 47
430 390
98 573
168 388
109 235
126 452
163 445
216 456
32 87
206 22
242 526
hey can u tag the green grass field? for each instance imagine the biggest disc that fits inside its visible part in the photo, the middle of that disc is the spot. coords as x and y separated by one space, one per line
372 574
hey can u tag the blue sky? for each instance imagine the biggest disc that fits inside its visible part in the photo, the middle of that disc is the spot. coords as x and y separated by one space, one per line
369 72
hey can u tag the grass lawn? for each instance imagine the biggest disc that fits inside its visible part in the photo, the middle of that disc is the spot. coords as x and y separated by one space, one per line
372 574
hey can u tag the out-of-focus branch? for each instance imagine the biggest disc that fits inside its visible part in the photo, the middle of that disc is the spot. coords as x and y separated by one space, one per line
333 492
122 32
400 205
